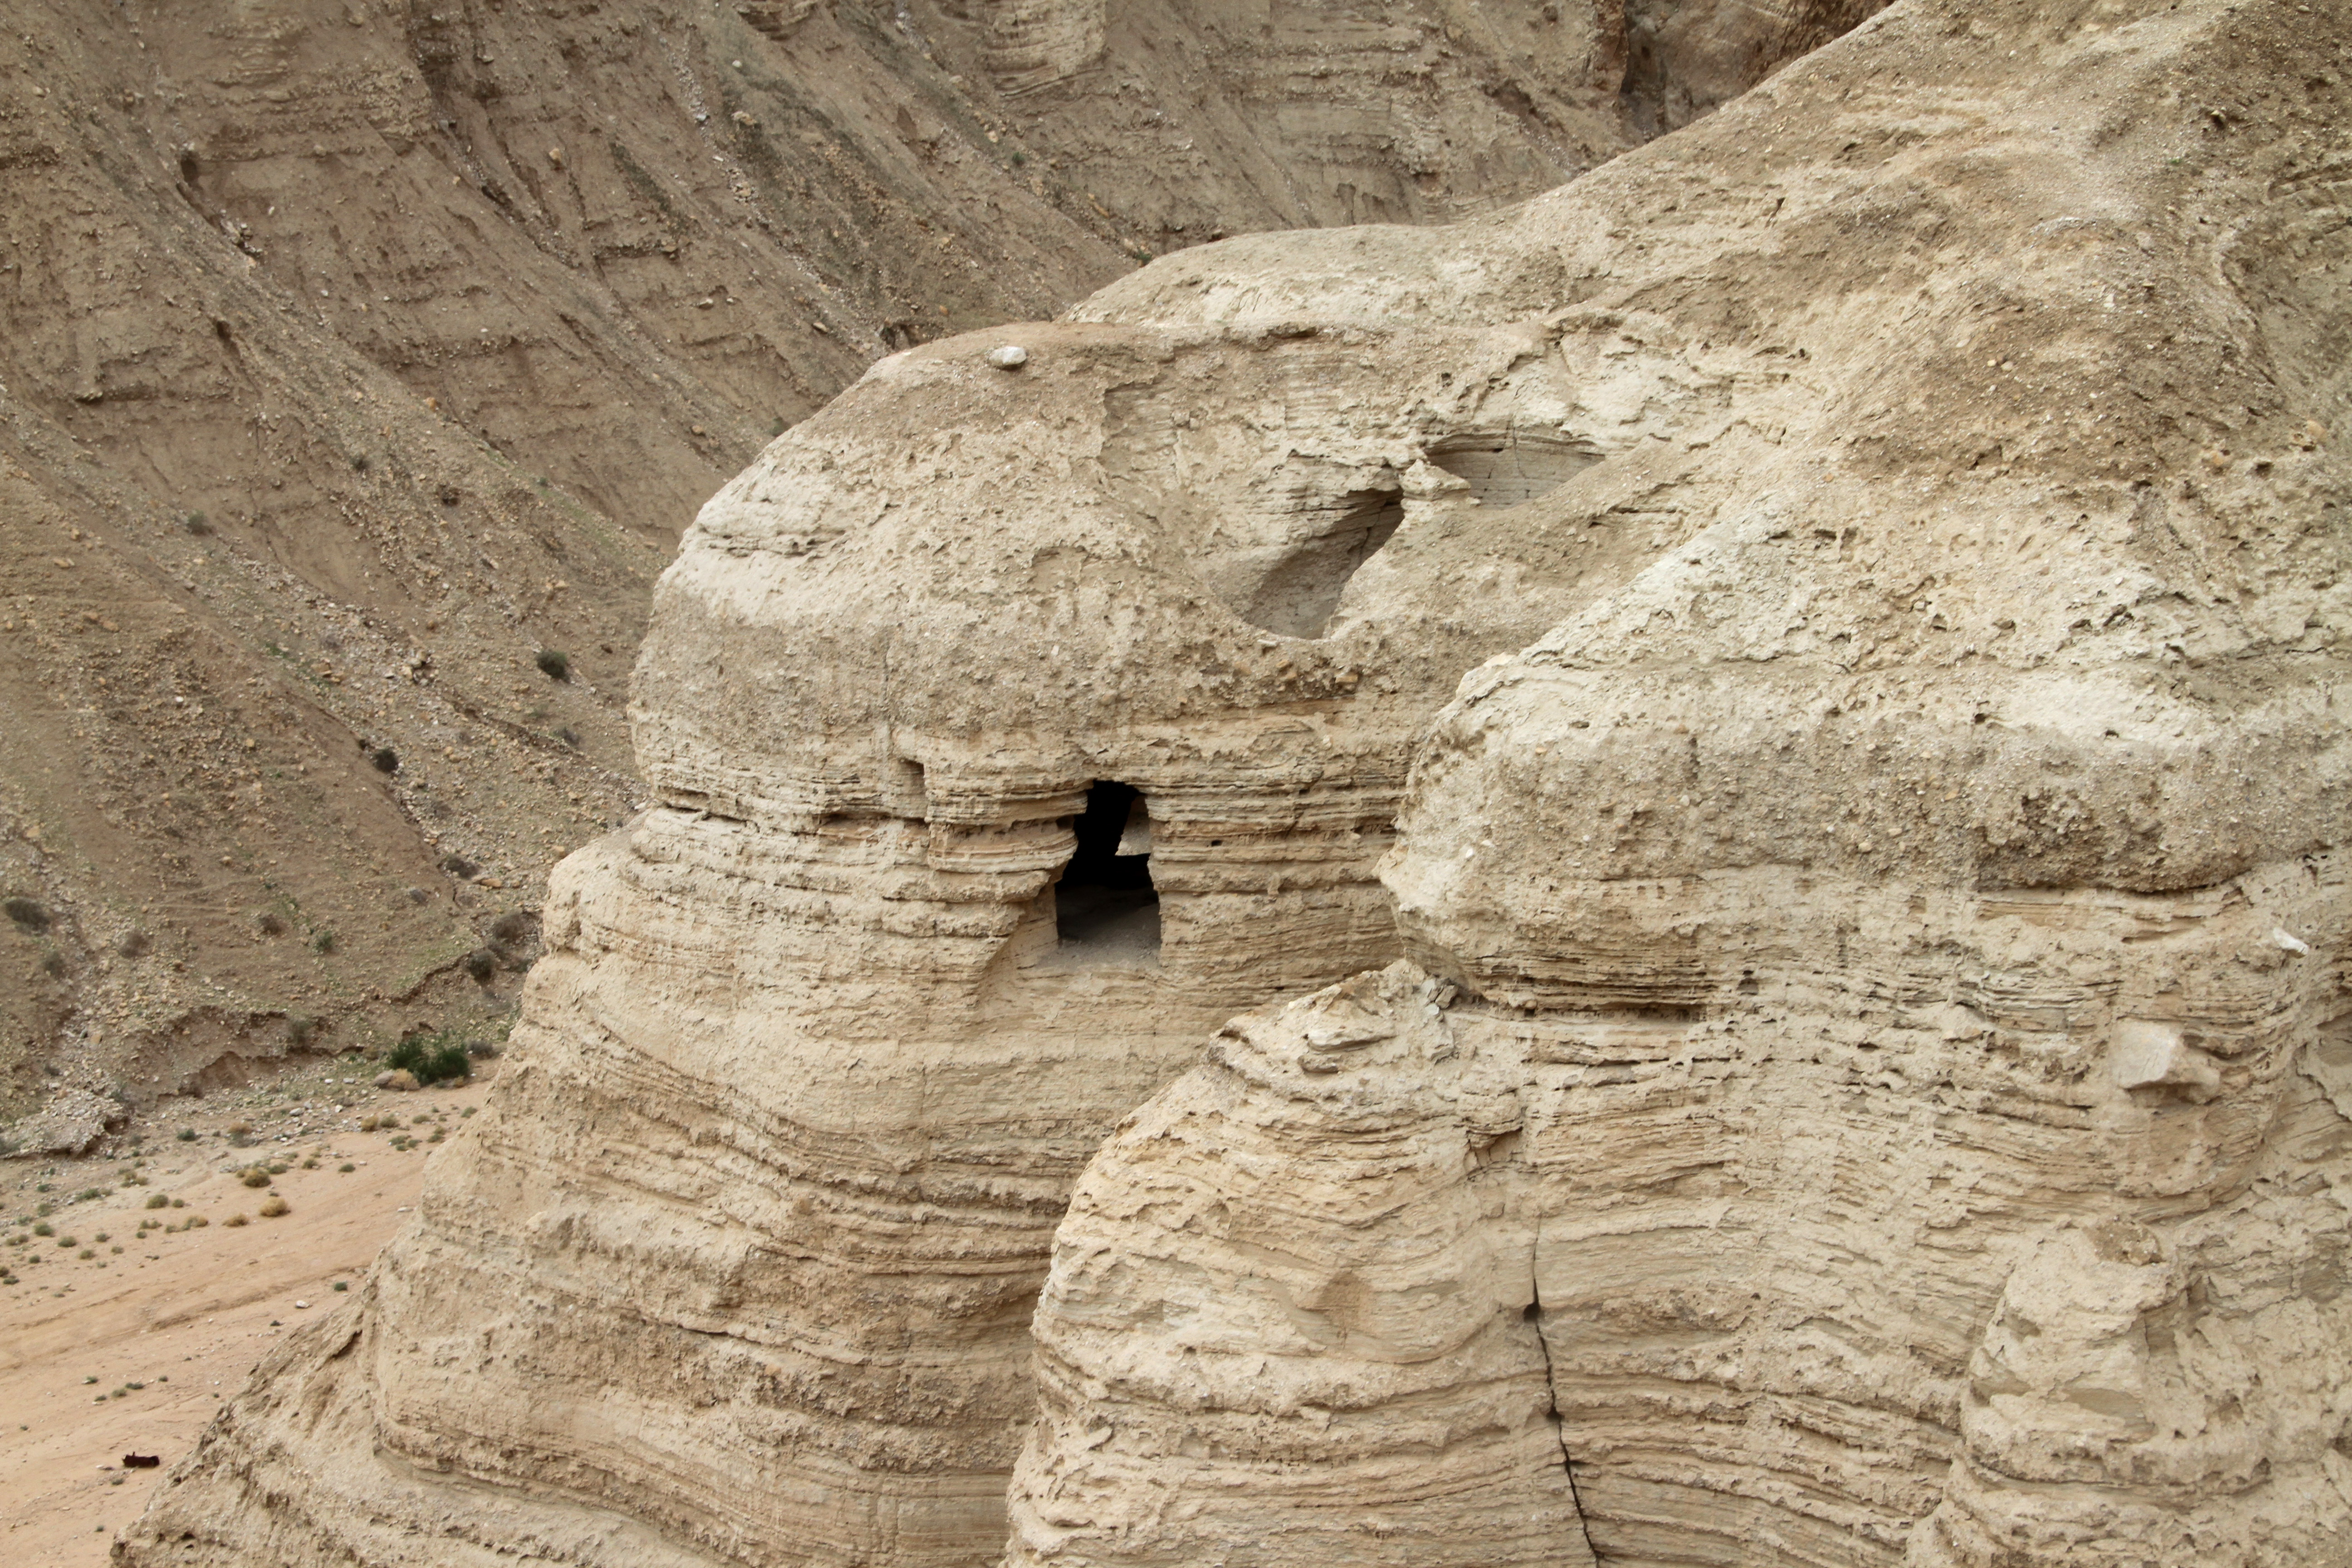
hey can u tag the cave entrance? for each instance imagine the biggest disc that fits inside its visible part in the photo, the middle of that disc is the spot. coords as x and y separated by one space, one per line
1104 909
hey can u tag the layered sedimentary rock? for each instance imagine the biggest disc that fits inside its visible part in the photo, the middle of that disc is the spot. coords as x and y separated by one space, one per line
1873 1088
350 356
1838 1057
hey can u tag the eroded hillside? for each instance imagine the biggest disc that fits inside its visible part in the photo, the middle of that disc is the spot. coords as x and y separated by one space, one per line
354 355
1653 879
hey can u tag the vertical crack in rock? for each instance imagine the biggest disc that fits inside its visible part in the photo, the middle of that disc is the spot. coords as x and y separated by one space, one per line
1559 1422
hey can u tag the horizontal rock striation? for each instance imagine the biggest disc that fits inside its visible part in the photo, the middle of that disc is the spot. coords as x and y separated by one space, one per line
1879 1015
1824 1047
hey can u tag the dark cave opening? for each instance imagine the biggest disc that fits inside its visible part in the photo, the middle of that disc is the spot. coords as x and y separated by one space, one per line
1105 907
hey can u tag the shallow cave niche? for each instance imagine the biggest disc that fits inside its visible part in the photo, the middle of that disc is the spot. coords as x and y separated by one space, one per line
1106 911
1508 468
1299 594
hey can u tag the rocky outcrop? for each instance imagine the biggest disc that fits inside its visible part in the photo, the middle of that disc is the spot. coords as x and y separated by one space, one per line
1821 1047
351 359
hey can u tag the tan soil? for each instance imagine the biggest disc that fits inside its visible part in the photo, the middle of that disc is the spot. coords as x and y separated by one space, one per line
187 1315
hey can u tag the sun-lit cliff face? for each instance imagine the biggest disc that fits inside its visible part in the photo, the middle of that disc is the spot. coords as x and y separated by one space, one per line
1753 742
352 356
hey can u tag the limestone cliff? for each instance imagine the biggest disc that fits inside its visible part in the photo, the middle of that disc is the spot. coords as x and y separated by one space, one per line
351 354
1822 1047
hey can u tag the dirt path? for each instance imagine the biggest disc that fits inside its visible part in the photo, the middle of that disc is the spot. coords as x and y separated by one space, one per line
131 1348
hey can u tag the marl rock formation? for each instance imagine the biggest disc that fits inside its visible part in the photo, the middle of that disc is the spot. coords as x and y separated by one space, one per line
1753 739
354 354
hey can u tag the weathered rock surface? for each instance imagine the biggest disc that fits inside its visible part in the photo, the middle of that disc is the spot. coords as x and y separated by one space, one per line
1843 1058
352 355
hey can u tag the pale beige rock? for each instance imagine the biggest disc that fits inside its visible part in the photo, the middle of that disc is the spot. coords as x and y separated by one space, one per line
1916 712
69 1123
1917 1140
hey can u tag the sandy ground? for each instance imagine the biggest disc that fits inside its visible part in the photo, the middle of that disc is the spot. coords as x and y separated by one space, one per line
131 1349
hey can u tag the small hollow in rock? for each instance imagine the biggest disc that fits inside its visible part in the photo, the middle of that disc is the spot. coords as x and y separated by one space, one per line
1104 909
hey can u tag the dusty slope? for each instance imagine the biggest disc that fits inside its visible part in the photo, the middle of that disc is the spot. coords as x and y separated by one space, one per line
353 354
133 1349
1950 433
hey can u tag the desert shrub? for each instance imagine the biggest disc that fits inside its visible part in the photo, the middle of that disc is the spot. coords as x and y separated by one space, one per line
358 462
554 663
87 1252
384 760
322 941
431 1057
185 1134
569 736
255 1177
196 524
511 927
235 1220
134 945
159 1201
299 1028
458 865
482 964
273 1207
28 913
45 1228
194 1222
240 1129
347 1167
341 1286
272 922
54 966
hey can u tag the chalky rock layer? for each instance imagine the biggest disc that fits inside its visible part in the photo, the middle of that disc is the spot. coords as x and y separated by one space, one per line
1890 952
1920 634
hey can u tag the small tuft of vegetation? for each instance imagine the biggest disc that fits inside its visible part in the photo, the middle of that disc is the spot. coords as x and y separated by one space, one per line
384 760
196 524
341 1286
775 427
54 966
457 866
235 1220
569 736
135 945
554 663
301 1028
347 1167
273 1207
358 462
482 964
431 1058
513 927
255 1177
159 1202
29 914
322 941
185 1134
270 922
